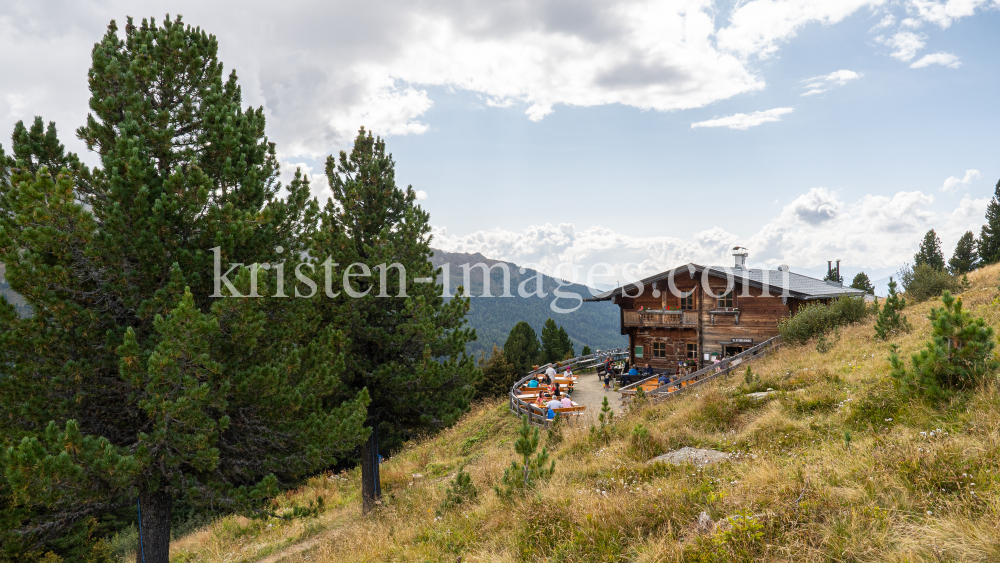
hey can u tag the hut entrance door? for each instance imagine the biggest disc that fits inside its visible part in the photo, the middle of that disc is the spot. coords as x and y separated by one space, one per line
733 350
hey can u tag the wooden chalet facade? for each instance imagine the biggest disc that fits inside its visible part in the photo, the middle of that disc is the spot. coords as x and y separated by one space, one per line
696 320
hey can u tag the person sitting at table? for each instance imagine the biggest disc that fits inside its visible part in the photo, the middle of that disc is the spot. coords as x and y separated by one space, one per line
632 373
568 372
566 402
648 371
533 383
554 403
663 379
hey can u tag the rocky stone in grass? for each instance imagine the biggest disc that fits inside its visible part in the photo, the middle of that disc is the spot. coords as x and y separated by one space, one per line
760 395
695 456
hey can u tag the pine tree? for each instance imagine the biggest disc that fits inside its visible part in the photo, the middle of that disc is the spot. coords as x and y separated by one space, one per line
499 375
407 346
565 344
586 351
552 346
958 356
989 235
888 320
129 381
966 258
532 470
930 252
522 348
862 282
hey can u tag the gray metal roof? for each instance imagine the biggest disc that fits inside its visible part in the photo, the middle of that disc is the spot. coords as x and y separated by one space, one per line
797 285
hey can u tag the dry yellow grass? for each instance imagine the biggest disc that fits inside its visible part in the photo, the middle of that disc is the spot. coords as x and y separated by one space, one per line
796 489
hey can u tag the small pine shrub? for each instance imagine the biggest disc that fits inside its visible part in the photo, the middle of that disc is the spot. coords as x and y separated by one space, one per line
750 378
888 320
460 491
531 470
958 356
607 415
817 318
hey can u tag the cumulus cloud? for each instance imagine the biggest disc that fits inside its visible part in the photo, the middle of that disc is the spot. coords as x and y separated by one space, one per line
905 43
421 194
888 21
759 27
944 13
744 121
952 183
872 232
321 72
943 59
821 84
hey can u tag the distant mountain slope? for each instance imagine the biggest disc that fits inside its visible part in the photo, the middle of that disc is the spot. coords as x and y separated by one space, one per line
593 324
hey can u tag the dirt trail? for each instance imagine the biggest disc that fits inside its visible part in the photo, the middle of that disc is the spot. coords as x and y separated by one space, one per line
589 390
302 546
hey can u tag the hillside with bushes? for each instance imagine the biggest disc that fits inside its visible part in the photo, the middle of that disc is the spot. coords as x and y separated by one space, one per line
830 461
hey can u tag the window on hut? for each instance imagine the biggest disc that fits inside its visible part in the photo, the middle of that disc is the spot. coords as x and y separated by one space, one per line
726 300
692 351
659 349
687 300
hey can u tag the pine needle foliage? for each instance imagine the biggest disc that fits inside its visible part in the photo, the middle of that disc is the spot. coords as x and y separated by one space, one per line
862 282
959 355
460 491
526 474
407 346
966 256
989 235
889 321
930 252
130 380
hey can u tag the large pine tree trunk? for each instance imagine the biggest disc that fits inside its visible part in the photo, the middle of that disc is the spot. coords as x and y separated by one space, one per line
155 536
371 481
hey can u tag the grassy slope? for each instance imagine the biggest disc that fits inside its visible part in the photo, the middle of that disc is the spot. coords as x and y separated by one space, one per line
794 490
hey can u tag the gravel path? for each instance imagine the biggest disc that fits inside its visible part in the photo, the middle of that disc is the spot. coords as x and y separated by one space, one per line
589 390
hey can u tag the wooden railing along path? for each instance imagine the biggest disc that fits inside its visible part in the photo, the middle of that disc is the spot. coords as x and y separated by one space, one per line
537 417
699 377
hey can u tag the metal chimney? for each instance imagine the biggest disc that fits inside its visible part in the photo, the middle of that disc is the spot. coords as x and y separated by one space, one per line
740 255
838 273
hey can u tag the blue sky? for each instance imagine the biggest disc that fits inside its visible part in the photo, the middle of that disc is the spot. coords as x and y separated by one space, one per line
550 132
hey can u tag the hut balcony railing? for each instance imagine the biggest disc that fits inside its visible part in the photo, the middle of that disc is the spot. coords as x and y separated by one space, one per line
654 318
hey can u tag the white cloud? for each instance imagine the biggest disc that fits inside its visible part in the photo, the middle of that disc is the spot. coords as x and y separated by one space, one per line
905 43
321 72
421 194
821 84
944 59
952 183
888 21
872 232
744 121
944 13
759 27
